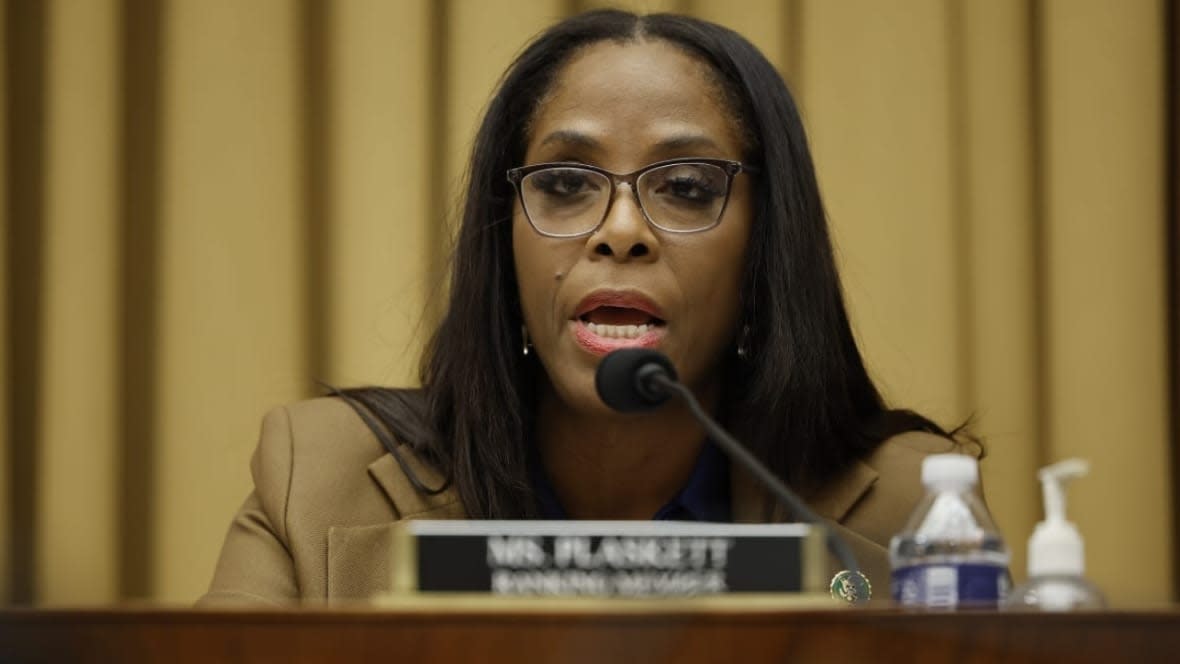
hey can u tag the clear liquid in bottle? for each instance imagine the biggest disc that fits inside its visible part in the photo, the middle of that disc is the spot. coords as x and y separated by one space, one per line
950 554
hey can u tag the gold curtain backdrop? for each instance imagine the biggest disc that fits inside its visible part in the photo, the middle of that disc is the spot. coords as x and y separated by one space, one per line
210 205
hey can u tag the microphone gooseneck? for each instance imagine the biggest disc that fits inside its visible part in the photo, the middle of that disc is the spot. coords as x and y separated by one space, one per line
637 379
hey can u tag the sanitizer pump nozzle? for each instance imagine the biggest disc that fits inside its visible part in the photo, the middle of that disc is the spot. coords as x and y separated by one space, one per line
1056 553
1056 545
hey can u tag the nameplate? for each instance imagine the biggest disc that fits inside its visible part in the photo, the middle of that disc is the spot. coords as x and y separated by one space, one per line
605 558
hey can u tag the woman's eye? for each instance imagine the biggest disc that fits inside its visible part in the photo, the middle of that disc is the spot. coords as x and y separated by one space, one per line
562 183
688 187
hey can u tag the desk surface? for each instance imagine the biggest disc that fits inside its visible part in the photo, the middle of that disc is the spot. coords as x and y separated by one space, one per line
595 634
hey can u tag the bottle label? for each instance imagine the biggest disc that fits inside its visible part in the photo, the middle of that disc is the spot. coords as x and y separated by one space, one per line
967 585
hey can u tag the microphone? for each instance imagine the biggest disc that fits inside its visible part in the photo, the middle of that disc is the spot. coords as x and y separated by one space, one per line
633 380
626 379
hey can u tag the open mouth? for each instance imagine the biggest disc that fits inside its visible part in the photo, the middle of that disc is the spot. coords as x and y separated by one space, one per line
619 322
608 320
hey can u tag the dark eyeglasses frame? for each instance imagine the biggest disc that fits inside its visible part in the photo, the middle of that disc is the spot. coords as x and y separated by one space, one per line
731 168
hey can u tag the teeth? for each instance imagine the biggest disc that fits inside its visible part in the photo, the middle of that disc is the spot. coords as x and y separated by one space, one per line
618 331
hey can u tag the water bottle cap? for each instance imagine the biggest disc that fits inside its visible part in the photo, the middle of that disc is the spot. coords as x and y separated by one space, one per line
957 470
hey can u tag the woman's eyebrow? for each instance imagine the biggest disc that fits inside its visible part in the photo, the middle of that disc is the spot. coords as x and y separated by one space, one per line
675 142
571 138
687 141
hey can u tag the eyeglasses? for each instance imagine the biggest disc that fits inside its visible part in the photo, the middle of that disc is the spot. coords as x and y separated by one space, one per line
676 196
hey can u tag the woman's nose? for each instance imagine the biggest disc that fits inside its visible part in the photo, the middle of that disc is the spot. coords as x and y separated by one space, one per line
625 234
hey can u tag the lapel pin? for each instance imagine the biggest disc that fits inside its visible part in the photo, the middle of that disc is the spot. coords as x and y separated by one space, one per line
851 587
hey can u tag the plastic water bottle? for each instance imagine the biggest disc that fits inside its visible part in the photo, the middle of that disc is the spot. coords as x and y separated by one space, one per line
950 554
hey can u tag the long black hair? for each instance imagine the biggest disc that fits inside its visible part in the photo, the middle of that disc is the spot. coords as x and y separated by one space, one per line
800 398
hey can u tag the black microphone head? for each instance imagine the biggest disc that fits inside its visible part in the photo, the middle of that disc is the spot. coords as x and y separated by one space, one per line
623 379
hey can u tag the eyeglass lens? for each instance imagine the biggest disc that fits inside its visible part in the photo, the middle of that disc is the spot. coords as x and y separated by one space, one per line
567 200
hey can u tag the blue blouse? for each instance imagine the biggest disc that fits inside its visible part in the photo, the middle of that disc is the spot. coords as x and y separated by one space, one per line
705 496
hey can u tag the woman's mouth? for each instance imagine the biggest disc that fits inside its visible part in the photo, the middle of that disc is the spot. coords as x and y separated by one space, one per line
619 331
606 328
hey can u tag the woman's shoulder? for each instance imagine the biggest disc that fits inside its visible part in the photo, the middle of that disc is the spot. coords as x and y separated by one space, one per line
349 424
897 462
893 475
342 451
325 426
899 457
324 460
326 492
309 449
329 412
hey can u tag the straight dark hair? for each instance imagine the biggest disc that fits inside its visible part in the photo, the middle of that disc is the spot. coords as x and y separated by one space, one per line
800 399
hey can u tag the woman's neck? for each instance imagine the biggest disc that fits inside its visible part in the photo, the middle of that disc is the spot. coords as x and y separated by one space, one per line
609 466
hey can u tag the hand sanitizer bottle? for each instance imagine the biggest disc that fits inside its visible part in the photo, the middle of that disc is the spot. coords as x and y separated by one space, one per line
1056 557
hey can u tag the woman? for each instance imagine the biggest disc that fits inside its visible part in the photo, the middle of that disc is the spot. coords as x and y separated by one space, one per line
637 181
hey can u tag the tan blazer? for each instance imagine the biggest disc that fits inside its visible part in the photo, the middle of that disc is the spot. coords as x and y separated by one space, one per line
326 494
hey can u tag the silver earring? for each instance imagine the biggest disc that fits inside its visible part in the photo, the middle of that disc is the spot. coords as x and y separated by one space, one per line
524 340
743 342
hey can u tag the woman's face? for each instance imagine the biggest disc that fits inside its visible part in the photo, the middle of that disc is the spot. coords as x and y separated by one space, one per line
621 107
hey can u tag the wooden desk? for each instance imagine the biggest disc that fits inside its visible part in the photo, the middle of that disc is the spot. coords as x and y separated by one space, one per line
593 634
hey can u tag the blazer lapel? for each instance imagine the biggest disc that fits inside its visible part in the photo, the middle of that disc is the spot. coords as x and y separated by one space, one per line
360 557
407 500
